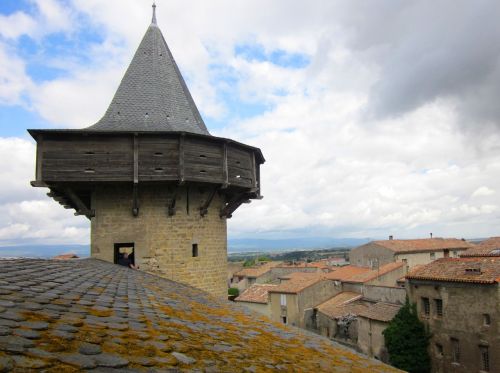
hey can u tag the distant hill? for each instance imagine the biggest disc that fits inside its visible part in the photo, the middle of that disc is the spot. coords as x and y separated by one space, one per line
43 251
241 245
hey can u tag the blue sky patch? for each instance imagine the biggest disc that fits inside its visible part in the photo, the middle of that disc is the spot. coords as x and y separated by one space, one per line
278 57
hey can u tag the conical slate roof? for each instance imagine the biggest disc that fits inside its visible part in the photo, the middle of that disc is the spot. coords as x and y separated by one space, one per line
152 95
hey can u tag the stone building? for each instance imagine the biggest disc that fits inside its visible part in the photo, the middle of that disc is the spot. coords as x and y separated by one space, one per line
300 291
149 176
257 274
411 252
459 300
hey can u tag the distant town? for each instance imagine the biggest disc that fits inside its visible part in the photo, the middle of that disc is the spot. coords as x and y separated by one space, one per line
353 296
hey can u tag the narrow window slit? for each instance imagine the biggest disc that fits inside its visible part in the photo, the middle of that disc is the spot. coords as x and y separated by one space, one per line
89 171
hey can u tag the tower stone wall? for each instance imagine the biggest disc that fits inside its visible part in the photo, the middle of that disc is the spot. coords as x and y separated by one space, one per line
163 244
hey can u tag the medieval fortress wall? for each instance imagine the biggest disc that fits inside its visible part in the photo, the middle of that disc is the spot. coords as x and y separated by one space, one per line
164 244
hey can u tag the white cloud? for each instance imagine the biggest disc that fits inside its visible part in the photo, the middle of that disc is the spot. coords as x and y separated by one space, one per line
330 168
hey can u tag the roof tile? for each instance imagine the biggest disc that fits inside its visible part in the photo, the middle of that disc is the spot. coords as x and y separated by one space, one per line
474 270
257 293
424 244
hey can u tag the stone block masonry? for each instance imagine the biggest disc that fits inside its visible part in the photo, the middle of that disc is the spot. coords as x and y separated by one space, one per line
163 244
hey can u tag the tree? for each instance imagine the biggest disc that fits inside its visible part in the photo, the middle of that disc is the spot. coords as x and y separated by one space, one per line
407 340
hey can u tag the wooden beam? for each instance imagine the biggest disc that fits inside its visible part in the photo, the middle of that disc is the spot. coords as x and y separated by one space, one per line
39 158
225 171
254 173
80 206
181 159
136 159
135 202
206 205
38 183
135 192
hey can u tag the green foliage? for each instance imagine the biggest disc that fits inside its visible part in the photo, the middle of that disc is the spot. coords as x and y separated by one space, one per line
407 341
233 292
264 258
249 263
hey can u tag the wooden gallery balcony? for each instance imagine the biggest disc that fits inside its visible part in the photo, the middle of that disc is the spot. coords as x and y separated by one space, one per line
71 162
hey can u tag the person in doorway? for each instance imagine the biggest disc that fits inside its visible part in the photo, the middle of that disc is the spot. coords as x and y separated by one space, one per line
126 261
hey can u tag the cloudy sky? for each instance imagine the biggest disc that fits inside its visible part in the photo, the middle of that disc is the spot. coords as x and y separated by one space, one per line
375 117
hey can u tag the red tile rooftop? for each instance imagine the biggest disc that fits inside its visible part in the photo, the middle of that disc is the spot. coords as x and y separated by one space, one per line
489 247
341 304
473 270
346 273
257 270
424 244
374 273
256 293
297 282
380 311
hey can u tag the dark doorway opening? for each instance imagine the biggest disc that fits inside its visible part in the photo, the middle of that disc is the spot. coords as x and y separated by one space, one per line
122 248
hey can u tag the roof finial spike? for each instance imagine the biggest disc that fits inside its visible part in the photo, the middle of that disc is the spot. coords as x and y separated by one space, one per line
153 21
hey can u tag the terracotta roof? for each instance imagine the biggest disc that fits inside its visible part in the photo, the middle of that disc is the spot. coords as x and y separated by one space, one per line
257 293
76 315
380 311
476 270
424 244
346 273
353 308
340 305
257 270
374 273
489 247
297 282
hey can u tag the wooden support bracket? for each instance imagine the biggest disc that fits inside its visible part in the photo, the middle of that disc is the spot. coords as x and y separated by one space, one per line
205 206
233 204
81 208
171 205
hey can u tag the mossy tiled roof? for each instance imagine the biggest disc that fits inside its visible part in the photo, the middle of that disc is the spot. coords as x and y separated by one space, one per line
66 316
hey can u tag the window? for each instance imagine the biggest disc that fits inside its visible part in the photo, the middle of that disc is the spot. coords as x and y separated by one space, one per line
439 307
433 256
283 318
439 349
455 350
283 299
195 250
485 358
486 319
455 254
426 307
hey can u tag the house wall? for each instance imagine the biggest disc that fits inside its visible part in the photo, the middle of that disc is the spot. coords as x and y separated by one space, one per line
387 294
291 311
326 326
163 243
389 278
314 295
414 259
463 308
370 338
365 255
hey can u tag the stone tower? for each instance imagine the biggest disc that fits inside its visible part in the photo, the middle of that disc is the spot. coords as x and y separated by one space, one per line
150 177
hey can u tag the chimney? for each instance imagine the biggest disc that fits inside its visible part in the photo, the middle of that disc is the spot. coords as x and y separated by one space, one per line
390 237
431 235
